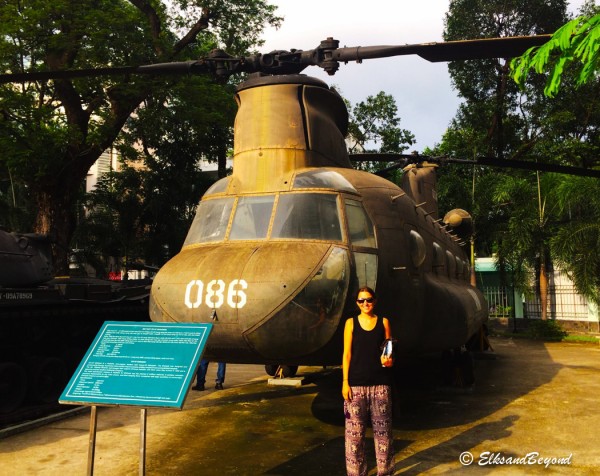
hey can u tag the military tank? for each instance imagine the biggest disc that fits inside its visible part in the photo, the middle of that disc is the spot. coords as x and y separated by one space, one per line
47 323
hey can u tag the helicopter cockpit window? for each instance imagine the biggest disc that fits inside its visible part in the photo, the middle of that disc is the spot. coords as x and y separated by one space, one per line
219 186
210 222
359 225
323 179
251 218
307 216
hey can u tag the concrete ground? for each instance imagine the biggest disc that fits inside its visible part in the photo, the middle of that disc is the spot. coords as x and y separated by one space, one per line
533 402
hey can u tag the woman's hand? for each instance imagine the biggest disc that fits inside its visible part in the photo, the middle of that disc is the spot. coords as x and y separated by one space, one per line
386 361
346 391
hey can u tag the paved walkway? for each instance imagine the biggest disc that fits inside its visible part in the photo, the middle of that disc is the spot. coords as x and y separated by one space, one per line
532 398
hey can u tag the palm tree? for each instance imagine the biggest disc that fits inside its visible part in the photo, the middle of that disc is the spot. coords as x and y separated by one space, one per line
524 244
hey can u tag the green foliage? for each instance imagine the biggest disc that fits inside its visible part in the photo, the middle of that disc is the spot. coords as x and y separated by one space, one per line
576 43
499 120
575 243
548 330
51 132
374 127
375 121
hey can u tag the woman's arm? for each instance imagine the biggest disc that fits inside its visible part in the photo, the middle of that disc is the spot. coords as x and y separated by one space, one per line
348 328
385 361
388 329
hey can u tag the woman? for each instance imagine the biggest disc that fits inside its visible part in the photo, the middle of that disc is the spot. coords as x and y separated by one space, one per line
367 387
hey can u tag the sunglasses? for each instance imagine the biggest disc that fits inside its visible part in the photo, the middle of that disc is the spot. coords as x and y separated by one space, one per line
369 300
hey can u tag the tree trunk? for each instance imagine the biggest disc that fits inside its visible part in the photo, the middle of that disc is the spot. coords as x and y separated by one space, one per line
56 218
543 291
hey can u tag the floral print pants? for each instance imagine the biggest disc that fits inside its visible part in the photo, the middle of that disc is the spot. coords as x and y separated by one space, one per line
376 401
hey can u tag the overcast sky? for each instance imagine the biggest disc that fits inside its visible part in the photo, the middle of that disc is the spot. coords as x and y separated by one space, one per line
424 96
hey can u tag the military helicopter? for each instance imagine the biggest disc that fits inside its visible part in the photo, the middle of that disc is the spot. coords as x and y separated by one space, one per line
277 251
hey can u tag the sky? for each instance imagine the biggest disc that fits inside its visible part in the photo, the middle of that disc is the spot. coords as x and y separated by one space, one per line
422 90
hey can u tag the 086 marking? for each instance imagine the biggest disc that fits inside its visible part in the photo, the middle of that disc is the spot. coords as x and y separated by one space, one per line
215 295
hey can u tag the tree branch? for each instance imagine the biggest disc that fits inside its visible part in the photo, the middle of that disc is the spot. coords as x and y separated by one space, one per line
200 25
154 21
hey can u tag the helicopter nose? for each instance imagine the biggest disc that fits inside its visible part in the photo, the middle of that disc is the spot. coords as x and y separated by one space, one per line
266 301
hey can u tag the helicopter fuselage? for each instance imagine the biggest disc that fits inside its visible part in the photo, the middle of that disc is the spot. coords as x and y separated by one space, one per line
278 250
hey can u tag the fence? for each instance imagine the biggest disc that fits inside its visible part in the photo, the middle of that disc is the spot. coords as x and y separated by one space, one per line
564 303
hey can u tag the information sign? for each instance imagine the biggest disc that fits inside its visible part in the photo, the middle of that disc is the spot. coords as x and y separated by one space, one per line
142 364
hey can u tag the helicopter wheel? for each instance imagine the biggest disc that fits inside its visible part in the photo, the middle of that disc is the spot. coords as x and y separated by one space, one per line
289 370
13 386
271 369
281 371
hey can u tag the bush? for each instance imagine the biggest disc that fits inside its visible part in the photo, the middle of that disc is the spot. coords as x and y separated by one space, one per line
546 330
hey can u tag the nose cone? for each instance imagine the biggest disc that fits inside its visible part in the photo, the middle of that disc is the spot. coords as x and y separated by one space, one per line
261 298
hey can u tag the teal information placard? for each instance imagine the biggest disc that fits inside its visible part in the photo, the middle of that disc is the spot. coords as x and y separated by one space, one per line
142 364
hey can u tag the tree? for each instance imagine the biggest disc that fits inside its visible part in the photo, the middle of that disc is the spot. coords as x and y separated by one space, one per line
577 43
491 100
373 122
575 243
499 120
51 132
376 121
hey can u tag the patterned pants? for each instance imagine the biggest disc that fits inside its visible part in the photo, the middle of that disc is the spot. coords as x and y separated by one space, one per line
375 401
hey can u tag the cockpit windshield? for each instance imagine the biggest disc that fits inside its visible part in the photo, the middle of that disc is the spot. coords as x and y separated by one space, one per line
300 216
210 222
251 219
307 216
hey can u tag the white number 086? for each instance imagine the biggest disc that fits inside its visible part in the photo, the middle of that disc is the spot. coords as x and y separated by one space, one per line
215 293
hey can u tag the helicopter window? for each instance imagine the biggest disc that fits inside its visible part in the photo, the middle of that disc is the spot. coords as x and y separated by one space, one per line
451 264
323 179
219 186
417 248
439 258
359 225
251 218
459 267
210 222
307 216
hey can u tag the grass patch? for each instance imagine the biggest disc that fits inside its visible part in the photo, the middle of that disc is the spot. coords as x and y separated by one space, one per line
581 338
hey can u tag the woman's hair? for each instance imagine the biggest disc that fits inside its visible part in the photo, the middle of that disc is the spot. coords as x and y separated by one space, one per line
367 289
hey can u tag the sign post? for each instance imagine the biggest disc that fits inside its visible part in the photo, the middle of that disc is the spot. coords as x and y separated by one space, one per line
137 364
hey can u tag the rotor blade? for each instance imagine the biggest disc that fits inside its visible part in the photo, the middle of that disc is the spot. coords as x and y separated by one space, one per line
326 56
385 157
404 159
183 67
508 47
520 164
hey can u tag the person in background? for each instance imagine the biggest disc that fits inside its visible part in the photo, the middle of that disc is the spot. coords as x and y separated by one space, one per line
201 375
366 387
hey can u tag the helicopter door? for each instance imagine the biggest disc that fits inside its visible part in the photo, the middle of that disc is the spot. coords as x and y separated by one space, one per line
362 240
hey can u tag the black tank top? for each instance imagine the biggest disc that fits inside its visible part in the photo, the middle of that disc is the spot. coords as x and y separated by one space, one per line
365 363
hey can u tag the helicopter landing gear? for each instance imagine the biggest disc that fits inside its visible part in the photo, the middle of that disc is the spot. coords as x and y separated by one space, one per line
479 342
458 368
281 371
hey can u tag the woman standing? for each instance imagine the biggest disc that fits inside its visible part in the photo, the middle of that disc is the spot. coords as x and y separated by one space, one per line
367 387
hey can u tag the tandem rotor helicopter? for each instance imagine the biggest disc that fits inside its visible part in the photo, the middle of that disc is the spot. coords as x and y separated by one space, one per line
277 250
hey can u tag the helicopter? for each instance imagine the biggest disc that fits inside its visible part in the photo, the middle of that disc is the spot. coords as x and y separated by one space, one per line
278 250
